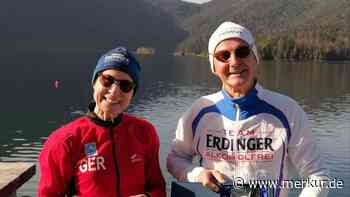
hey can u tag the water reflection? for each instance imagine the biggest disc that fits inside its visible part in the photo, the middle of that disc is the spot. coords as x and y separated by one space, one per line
169 86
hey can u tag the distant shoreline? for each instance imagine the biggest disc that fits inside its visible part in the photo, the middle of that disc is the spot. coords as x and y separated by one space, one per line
335 58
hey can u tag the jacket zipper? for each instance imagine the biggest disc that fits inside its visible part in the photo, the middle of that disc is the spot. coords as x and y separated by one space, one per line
238 111
115 161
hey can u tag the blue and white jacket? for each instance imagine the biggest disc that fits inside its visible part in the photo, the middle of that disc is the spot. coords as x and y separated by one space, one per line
258 136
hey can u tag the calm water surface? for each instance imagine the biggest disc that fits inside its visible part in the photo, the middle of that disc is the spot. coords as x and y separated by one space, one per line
32 107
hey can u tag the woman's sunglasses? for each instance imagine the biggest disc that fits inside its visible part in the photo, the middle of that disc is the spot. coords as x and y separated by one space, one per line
124 85
241 52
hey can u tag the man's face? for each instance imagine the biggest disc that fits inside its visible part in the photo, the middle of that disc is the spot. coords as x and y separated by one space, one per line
237 74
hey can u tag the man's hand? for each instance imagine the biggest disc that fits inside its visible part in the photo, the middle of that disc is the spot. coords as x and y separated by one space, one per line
211 179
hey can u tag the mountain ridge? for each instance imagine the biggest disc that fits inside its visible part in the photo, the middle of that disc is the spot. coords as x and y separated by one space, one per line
281 23
50 25
298 29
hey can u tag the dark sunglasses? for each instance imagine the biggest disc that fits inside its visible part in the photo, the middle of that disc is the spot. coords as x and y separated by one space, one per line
241 52
124 85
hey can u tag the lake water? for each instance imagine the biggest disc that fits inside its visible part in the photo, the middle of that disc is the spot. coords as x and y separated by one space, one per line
32 107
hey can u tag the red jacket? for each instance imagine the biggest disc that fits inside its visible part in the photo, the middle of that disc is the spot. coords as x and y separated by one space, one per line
97 160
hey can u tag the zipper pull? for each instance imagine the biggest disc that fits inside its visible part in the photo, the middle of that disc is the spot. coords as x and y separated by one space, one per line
238 111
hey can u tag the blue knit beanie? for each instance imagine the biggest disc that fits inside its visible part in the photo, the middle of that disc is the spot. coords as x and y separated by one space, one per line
119 58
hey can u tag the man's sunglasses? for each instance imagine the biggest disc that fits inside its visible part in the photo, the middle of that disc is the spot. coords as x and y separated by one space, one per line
124 85
241 52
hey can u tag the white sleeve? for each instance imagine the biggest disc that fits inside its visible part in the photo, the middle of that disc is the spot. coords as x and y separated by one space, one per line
304 154
180 157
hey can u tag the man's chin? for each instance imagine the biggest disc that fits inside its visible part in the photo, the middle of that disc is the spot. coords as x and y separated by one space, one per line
236 83
238 86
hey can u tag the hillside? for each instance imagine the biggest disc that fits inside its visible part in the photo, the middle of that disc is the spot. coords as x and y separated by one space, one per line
51 25
301 29
178 9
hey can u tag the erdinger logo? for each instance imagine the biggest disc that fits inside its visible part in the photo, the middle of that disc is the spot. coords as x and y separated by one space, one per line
92 162
244 145
240 144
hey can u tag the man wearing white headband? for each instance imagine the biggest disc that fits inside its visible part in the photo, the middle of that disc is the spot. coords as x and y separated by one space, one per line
244 132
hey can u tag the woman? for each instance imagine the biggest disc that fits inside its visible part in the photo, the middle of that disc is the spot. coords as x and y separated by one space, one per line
106 152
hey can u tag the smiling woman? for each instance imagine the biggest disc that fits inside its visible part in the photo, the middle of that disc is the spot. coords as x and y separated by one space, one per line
100 153
112 93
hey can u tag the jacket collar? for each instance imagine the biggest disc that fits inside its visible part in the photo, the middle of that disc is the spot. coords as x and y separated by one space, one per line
249 99
104 123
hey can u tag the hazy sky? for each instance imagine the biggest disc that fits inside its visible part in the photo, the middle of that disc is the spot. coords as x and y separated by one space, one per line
197 1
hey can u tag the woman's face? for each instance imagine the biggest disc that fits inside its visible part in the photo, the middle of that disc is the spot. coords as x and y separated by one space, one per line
110 99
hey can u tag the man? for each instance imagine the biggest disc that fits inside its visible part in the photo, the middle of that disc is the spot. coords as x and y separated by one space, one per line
243 132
